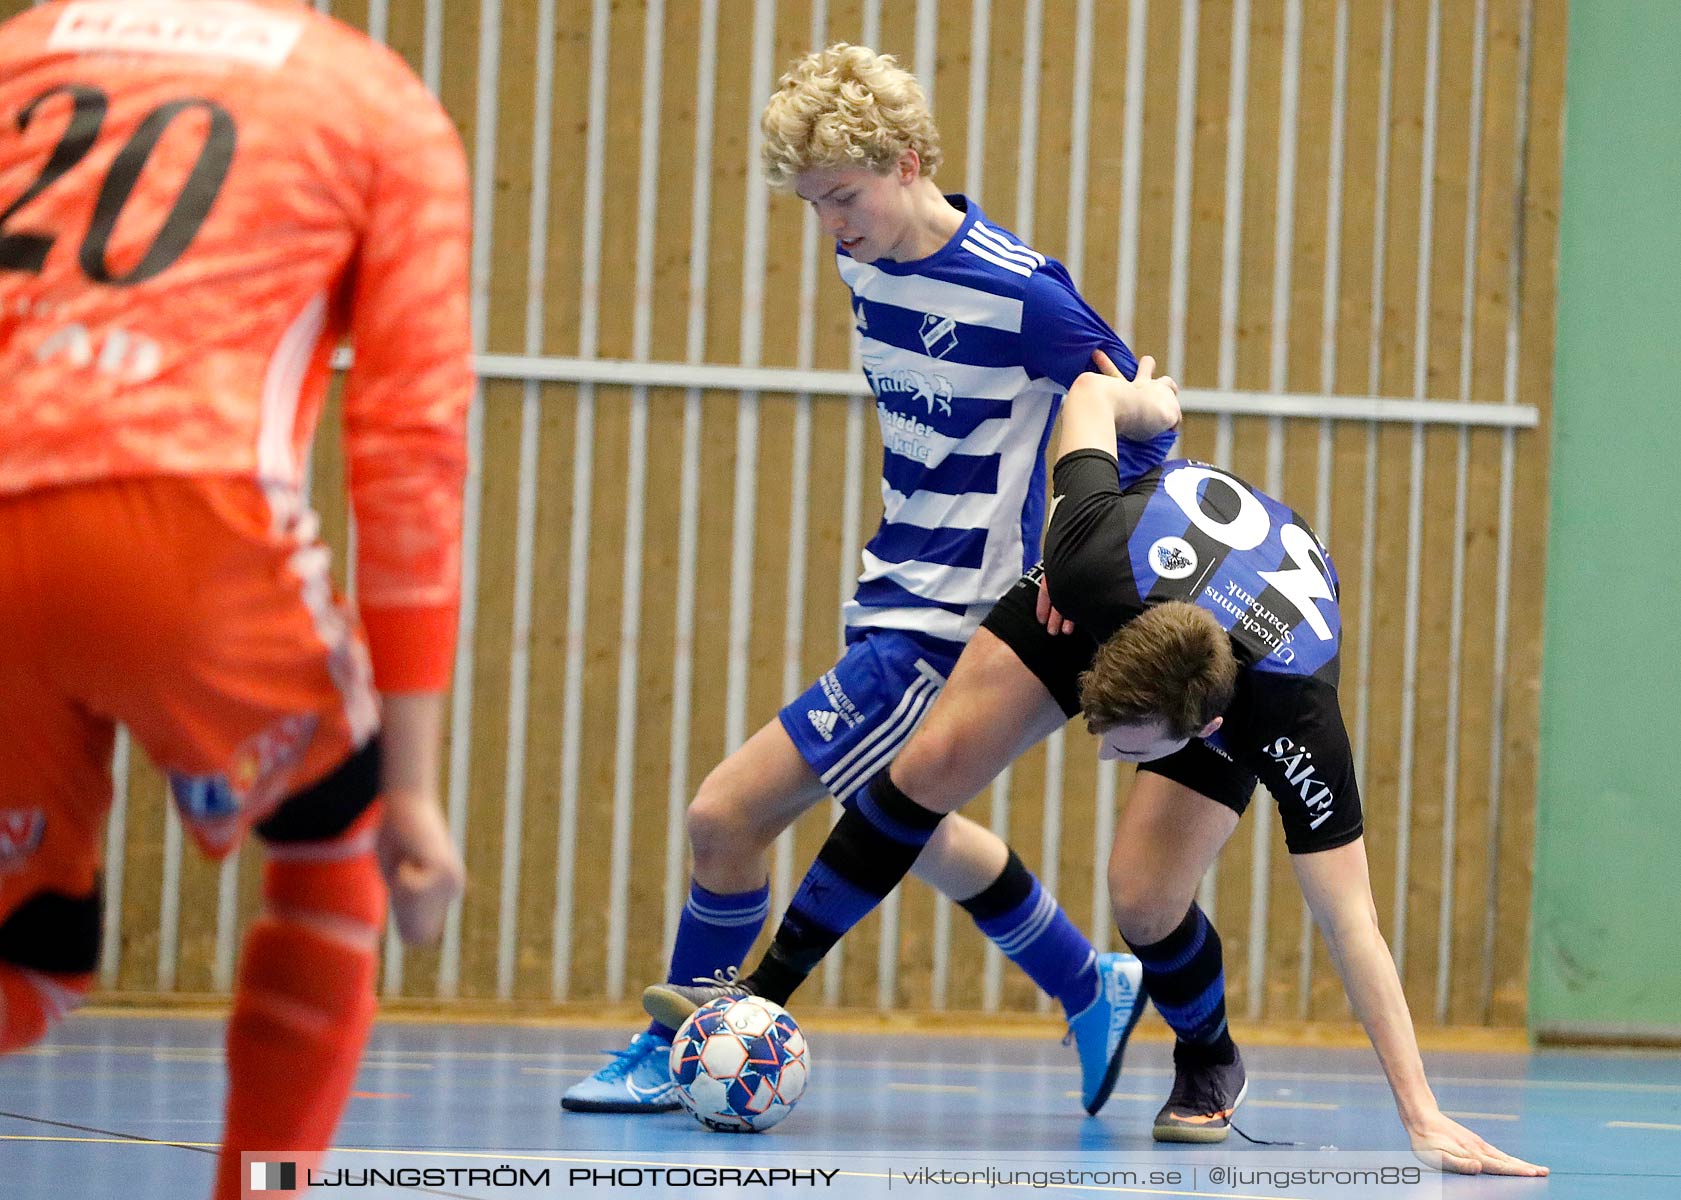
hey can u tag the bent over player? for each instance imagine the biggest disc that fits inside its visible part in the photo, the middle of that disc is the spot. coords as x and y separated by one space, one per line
188 226
1204 646
969 340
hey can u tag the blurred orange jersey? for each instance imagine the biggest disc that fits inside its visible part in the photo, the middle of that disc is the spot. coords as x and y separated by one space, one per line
199 199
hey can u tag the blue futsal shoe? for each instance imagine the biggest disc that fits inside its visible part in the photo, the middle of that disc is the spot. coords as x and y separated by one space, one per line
1100 1030
638 1080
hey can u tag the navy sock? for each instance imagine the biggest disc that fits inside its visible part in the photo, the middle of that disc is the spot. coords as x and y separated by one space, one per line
870 849
1184 974
715 932
1029 926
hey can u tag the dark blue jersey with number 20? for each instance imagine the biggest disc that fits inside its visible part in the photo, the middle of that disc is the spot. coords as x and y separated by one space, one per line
1129 534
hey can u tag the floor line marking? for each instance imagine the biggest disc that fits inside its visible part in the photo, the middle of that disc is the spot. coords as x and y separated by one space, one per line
210 1147
115 1134
1641 1125
1312 1105
374 1056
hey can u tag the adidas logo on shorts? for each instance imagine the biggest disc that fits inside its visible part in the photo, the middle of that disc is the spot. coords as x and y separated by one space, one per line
823 721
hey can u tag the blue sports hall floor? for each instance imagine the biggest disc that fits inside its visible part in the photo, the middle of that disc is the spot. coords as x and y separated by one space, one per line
116 1106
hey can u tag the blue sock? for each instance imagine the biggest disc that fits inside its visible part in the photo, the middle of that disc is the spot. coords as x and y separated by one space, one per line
1184 974
715 931
1031 929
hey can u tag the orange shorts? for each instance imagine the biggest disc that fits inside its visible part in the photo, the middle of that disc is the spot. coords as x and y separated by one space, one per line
198 613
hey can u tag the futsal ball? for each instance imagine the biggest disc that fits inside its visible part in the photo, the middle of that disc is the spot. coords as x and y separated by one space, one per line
740 1065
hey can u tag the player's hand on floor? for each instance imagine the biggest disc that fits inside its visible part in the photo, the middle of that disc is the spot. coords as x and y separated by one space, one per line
421 865
1053 621
1447 1145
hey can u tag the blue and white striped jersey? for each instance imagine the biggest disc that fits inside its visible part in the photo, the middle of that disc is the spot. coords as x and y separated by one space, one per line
969 353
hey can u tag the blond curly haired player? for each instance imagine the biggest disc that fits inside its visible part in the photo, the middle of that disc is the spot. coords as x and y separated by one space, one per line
969 339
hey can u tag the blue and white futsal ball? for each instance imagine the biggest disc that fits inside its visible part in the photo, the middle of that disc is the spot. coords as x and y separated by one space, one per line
739 1065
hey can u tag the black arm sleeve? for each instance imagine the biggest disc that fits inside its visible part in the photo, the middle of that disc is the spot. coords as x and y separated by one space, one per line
1306 763
1086 545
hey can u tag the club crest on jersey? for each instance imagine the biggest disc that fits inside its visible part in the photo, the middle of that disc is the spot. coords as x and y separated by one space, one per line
939 335
1172 558
21 831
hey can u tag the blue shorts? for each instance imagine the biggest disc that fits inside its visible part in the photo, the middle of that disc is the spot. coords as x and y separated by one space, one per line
858 715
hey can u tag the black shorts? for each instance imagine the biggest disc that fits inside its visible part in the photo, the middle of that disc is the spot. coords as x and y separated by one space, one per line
1059 659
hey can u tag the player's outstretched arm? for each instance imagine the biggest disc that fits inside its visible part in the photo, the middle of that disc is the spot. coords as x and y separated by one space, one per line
417 856
1338 889
1104 404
